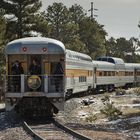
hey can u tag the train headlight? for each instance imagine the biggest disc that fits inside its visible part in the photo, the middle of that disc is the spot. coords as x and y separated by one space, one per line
34 82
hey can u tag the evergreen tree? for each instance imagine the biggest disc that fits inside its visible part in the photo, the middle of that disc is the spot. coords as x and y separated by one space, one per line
110 47
123 47
2 42
93 36
133 57
58 18
77 13
64 25
21 19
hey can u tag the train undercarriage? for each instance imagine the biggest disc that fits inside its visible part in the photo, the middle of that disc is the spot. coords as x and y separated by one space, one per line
34 106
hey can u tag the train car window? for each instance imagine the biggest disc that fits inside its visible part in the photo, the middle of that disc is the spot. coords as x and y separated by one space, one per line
35 60
90 73
22 60
104 59
79 79
99 59
82 79
105 73
111 60
100 73
117 73
126 73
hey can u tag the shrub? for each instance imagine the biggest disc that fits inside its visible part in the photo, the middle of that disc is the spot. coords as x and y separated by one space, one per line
120 91
91 118
137 91
110 111
105 98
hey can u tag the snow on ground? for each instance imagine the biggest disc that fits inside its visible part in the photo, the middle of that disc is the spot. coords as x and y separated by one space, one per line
79 110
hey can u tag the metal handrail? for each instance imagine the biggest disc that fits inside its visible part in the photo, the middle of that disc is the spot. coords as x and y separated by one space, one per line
50 83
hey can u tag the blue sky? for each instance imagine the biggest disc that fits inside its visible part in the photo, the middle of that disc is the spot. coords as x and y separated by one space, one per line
119 17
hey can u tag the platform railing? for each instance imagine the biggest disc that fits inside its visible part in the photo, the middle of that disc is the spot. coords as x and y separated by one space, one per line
56 83
48 83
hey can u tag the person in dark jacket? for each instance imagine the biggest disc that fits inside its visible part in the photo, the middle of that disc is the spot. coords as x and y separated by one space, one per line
16 70
34 68
59 73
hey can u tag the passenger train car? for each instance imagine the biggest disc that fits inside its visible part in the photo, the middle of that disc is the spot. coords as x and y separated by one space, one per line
38 93
62 73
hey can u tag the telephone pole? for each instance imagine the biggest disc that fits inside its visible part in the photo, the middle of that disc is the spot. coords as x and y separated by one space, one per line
92 11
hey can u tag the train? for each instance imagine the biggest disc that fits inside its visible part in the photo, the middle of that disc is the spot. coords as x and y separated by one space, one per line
62 73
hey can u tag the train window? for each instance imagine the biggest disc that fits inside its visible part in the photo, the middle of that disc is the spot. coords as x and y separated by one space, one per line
90 73
104 59
100 73
82 79
105 73
21 58
113 73
111 60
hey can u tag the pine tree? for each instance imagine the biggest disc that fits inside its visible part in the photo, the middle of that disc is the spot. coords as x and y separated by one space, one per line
58 18
21 19
2 42
93 35
77 13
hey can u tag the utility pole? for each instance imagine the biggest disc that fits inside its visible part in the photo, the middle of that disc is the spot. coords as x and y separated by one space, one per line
92 11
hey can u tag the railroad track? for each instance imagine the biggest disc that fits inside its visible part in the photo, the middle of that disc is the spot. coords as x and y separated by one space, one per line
52 130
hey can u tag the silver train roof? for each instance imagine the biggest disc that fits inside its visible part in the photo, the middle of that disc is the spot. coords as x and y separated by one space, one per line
103 65
77 56
114 60
35 45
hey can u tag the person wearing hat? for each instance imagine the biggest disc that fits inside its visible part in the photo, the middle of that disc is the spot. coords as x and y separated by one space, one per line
16 71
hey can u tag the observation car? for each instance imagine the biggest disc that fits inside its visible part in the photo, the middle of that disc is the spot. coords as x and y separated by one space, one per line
44 93
36 93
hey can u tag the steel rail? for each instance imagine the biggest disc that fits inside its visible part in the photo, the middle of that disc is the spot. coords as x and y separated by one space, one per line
62 127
